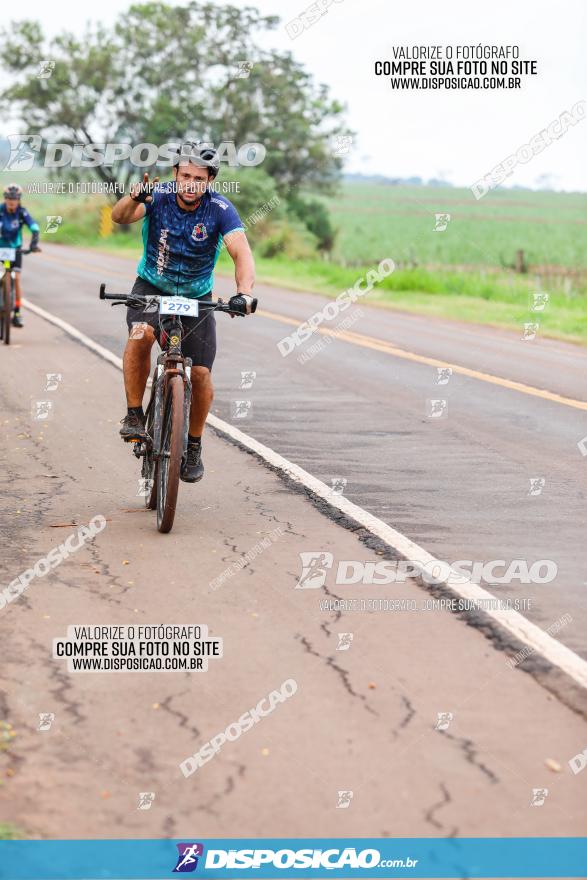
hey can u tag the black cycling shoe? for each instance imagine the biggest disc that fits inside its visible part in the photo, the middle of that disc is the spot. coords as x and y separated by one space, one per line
133 428
192 470
17 320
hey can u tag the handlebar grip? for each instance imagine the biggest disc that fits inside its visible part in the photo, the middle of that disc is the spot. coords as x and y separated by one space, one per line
254 305
104 295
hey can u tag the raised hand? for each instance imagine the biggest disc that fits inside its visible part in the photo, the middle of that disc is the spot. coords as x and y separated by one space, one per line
142 192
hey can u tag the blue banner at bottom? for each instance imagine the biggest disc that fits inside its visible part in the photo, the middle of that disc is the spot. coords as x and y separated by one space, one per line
288 857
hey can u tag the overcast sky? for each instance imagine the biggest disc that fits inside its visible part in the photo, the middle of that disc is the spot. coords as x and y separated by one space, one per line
459 135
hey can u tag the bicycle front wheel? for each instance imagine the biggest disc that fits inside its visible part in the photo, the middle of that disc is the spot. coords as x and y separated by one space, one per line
169 464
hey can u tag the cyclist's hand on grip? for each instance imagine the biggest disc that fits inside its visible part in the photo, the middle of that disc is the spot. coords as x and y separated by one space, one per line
242 304
143 192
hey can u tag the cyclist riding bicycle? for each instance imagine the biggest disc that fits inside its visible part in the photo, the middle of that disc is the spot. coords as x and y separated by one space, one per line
185 224
12 218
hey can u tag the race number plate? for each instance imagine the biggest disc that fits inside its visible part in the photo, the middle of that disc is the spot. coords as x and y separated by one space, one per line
178 305
7 254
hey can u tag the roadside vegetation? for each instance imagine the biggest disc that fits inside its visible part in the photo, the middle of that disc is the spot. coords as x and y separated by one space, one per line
10 832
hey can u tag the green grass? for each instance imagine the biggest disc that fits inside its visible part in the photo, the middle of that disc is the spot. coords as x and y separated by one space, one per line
376 221
501 299
10 832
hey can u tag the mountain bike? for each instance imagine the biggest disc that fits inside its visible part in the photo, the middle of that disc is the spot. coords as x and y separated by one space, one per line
7 257
168 414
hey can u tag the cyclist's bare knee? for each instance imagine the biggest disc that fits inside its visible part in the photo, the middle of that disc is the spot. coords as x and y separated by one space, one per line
201 376
202 381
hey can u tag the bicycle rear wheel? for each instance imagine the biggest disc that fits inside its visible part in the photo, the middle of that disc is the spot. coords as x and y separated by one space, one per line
169 463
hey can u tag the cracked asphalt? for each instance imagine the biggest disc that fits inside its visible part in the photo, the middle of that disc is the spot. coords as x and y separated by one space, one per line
362 720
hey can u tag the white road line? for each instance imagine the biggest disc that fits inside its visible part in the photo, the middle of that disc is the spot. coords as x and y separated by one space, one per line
512 621
81 337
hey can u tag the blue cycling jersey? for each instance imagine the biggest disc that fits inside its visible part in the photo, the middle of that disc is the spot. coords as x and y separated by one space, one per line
181 247
11 226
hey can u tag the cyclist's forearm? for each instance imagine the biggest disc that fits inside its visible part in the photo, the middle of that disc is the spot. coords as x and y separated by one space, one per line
125 210
244 271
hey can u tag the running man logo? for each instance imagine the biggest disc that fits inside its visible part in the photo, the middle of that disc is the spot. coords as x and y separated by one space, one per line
247 378
537 484
42 409
338 485
53 380
342 144
240 409
539 301
443 374
137 330
46 68
441 222
187 859
530 331
242 69
146 799
46 719
315 563
24 149
145 487
54 221
437 408
578 762
444 719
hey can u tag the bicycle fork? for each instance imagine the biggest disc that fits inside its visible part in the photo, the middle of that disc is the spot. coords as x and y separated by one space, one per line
184 371
187 402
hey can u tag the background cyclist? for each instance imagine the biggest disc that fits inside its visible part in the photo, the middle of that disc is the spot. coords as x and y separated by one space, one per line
12 218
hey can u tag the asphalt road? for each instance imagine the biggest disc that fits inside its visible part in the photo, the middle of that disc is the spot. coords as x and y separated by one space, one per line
363 720
357 409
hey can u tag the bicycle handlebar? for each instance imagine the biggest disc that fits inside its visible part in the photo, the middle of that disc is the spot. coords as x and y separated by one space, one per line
122 298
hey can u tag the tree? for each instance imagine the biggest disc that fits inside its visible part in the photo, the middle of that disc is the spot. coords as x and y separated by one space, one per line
166 72
316 218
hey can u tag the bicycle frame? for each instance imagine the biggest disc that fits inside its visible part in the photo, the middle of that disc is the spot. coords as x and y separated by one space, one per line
8 267
8 292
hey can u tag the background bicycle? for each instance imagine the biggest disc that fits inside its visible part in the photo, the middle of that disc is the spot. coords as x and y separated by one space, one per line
7 257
